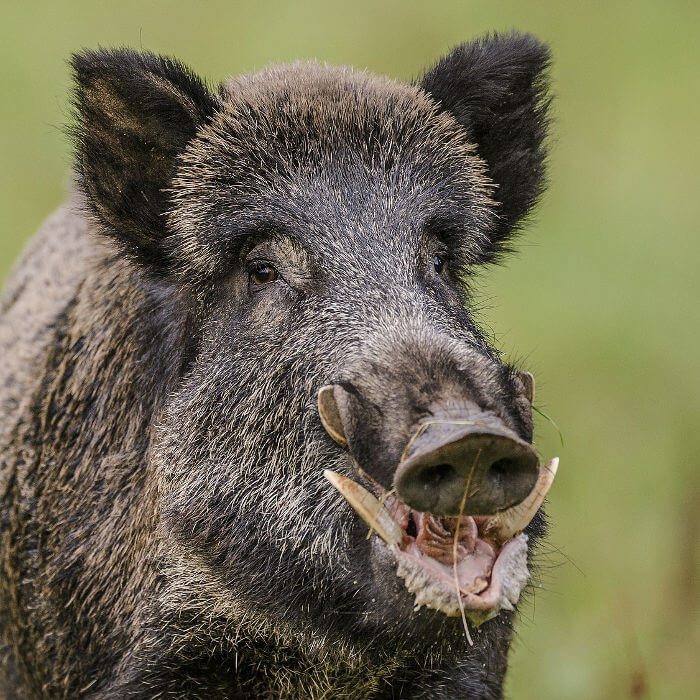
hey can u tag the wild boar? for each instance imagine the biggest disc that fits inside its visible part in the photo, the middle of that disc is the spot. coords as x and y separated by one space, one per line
252 287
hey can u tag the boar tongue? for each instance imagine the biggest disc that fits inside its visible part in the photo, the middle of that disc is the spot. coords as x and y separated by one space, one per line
436 537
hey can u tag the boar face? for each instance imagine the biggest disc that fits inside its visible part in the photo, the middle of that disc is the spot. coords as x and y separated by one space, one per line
320 226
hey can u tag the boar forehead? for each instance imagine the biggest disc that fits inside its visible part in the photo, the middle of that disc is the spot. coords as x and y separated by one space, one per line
331 155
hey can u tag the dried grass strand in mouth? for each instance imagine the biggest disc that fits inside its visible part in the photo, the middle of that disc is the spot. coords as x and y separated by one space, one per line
458 592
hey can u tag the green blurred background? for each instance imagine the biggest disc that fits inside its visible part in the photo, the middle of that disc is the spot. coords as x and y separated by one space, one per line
600 304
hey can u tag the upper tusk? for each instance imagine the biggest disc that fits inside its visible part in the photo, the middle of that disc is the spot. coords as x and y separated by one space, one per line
368 508
509 523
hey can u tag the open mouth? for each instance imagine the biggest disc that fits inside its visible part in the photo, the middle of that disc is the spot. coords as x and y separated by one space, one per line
476 565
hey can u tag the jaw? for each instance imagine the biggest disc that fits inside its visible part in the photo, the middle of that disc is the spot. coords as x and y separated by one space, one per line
487 583
470 565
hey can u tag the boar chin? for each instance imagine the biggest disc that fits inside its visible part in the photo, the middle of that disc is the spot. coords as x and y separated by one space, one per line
471 564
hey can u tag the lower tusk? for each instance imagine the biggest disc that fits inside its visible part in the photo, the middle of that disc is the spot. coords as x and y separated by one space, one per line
368 508
509 523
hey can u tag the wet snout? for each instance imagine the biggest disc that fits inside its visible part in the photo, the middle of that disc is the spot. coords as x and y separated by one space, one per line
469 463
460 459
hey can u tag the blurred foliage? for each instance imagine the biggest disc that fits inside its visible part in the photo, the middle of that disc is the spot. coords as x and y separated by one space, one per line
601 302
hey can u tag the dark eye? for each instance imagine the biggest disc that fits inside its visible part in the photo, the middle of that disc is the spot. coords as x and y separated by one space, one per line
439 263
263 274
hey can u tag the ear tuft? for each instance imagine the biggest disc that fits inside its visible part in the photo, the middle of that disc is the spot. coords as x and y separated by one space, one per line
135 113
497 89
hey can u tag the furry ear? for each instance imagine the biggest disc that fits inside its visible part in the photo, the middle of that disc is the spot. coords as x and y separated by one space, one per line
496 88
135 112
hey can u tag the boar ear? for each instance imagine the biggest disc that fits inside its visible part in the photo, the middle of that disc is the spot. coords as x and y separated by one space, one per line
135 112
496 88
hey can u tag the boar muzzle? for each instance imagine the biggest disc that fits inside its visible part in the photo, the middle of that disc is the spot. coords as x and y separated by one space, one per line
460 459
470 464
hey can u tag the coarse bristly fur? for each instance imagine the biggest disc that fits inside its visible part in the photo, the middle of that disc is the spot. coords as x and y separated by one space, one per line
165 529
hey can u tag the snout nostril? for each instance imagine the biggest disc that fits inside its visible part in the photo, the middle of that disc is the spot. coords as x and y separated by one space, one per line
512 478
437 476
503 469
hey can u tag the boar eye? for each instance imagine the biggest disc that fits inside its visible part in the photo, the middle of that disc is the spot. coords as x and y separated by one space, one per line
263 274
439 263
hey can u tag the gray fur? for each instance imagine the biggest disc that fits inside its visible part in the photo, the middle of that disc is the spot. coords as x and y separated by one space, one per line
166 531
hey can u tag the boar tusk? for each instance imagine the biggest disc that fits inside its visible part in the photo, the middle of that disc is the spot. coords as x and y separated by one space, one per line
368 508
330 416
509 523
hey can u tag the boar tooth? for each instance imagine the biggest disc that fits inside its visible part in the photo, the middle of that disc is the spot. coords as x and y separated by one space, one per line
509 523
368 508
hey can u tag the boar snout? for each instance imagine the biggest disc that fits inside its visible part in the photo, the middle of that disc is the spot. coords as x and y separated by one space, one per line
460 459
465 461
